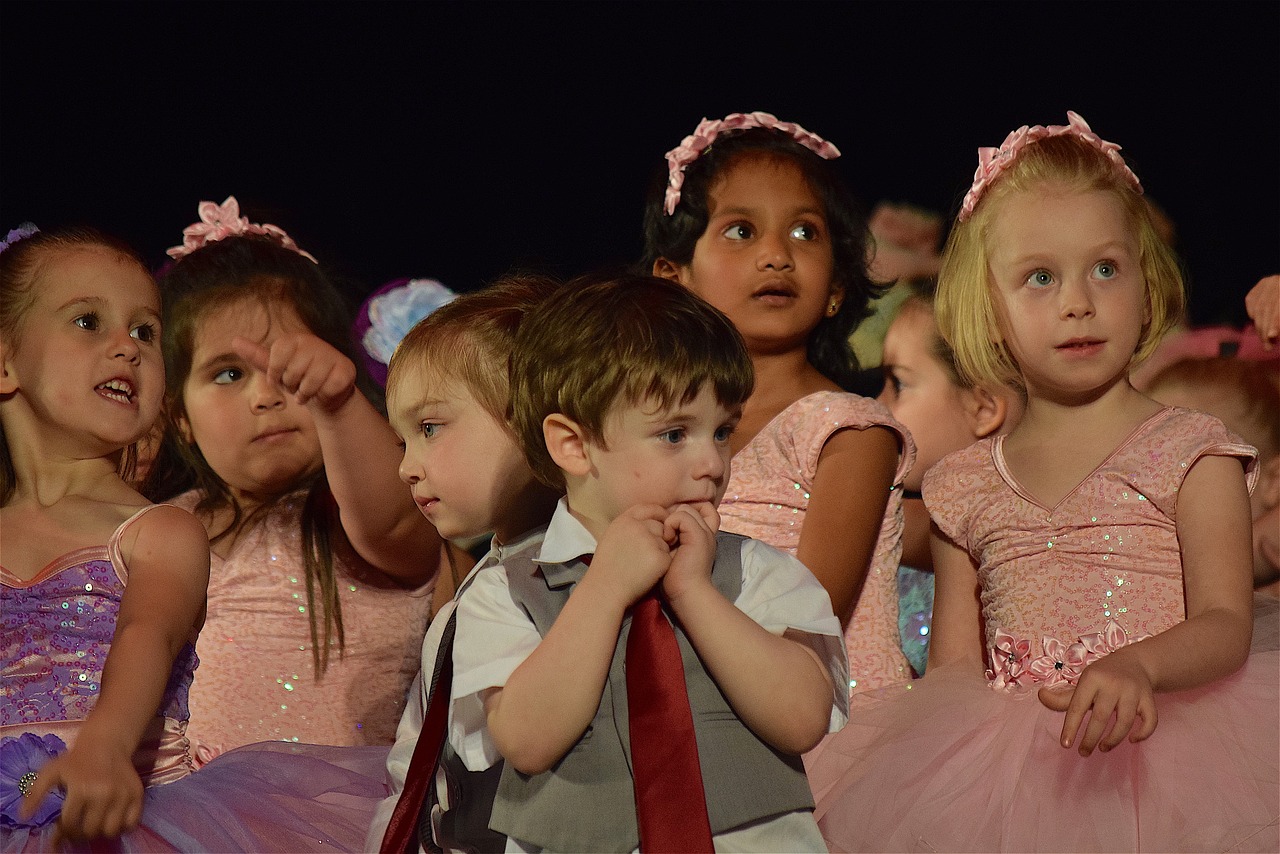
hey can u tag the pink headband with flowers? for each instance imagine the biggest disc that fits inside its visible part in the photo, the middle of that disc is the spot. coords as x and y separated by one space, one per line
224 220
993 161
679 158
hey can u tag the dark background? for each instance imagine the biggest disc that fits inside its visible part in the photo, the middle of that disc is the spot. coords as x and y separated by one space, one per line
460 140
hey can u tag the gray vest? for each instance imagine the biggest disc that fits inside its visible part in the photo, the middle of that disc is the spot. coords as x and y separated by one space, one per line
587 802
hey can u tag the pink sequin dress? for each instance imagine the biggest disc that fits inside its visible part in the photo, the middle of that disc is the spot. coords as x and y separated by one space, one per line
957 763
56 634
768 494
257 681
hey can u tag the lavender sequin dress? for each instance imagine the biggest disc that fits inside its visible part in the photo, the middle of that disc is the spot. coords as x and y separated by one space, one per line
56 635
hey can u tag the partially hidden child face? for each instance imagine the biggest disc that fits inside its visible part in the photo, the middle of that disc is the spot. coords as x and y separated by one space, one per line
1065 264
662 457
88 357
254 436
465 471
920 392
766 257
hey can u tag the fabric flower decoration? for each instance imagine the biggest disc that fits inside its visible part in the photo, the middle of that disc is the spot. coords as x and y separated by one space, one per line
20 759
22 232
1009 659
993 161
218 222
692 146
388 314
1061 663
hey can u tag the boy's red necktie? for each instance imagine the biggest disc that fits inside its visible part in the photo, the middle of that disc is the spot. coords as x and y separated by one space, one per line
401 833
671 806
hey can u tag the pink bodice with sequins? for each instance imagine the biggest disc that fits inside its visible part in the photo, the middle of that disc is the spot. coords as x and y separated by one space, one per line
768 494
1108 553
55 633
257 680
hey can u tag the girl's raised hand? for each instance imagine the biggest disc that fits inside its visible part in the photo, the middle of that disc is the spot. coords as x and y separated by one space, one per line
305 366
1115 685
103 792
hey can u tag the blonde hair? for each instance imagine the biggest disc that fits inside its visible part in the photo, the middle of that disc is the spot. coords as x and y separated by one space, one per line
469 340
618 340
971 318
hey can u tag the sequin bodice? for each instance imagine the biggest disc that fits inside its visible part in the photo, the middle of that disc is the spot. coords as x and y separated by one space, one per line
1108 552
768 495
57 631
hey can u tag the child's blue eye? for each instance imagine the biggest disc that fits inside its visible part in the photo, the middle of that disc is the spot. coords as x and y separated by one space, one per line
673 437
723 433
146 332
1039 279
804 231
429 430
738 231
1104 270
87 322
226 376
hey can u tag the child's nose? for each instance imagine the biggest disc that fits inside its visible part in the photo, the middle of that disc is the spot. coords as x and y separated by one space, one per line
774 253
1075 299
408 471
125 346
266 395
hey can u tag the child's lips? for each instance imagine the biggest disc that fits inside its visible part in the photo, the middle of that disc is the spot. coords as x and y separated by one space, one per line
1081 346
274 434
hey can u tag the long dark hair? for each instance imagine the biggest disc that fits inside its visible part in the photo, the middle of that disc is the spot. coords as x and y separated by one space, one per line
674 236
224 273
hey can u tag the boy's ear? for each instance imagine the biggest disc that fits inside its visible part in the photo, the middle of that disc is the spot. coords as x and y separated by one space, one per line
567 444
984 412
664 269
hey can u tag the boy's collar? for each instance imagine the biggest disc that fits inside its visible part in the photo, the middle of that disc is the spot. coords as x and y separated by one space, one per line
566 538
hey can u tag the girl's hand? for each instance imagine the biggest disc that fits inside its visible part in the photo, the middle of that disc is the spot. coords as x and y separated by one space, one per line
691 529
307 367
1116 685
634 552
103 792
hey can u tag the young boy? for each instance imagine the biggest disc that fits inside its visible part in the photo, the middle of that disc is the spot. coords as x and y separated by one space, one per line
624 394
447 398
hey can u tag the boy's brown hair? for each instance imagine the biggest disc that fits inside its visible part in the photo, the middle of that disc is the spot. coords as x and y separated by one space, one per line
624 339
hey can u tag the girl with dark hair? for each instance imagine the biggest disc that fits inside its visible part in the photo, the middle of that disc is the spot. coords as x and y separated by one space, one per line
752 216
323 569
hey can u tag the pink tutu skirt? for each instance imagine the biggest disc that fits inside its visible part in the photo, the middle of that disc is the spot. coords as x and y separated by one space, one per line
949 764
272 796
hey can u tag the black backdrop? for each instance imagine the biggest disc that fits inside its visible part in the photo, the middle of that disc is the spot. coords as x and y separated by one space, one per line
459 140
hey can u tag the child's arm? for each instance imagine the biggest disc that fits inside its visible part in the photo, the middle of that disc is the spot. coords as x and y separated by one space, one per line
777 686
846 509
161 610
1211 643
955 638
549 700
361 456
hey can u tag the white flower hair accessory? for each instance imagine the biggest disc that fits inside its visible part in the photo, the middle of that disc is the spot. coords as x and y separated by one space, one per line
691 148
221 221
388 315
993 161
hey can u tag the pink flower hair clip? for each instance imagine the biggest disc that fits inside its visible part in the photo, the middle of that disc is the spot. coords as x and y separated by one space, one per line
224 220
691 148
993 161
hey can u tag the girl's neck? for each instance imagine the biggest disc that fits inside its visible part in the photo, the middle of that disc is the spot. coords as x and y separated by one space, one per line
781 380
1120 404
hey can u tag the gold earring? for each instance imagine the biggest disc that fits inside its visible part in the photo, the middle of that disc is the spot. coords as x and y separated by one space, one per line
833 308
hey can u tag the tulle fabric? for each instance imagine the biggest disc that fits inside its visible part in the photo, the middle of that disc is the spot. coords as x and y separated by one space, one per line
272 796
948 764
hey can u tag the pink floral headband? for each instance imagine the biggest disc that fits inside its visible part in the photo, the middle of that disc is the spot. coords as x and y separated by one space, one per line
679 158
993 161
224 220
